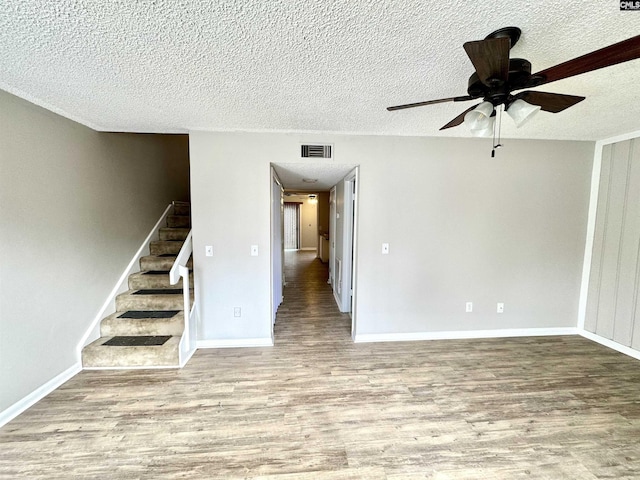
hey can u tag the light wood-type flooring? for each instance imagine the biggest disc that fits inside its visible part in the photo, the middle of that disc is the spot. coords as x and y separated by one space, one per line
318 406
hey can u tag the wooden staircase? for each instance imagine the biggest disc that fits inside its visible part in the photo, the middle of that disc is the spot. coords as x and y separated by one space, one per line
146 328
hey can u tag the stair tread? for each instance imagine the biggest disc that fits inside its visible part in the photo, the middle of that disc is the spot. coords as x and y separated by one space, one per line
147 314
157 301
143 323
155 279
99 355
158 291
174 233
131 293
161 262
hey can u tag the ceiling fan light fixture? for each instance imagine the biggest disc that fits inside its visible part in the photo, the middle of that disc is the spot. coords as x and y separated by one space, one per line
480 117
521 112
485 132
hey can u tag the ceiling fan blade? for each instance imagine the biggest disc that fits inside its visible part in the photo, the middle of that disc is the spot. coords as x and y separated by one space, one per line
550 102
491 59
459 119
431 102
605 57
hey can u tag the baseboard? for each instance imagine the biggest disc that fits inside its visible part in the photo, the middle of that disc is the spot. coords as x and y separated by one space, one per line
38 394
235 343
611 344
464 334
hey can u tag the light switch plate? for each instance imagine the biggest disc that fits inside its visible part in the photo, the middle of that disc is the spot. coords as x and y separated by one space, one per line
254 250
208 251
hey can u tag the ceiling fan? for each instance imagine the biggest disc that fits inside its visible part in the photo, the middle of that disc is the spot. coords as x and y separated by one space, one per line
497 77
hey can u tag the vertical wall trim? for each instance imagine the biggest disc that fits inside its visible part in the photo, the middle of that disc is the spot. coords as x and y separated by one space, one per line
591 230
605 234
637 276
622 236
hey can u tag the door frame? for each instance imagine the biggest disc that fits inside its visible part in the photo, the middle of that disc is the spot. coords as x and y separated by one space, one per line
350 234
277 244
332 235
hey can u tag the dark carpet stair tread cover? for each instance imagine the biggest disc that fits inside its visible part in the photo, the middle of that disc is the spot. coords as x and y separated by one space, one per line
149 314
137 341
158 291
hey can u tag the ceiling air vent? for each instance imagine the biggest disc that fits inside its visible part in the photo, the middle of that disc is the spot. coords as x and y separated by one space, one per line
316 151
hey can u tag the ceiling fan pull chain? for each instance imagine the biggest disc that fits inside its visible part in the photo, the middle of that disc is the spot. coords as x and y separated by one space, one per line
499 122
500 108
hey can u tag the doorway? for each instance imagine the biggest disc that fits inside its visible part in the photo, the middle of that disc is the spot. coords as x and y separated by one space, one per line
335 230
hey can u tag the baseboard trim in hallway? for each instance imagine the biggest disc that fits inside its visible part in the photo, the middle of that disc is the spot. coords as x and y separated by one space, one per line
462 335
235 343
38 394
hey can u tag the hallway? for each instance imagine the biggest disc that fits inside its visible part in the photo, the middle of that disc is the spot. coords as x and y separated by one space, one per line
309 314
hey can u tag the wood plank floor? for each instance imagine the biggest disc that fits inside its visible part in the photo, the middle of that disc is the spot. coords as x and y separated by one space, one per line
318 406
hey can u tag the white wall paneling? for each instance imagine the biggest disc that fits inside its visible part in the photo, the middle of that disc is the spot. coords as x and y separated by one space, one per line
614 278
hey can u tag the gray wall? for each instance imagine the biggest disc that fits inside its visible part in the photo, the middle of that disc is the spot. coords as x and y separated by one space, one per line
613 305
462 226
76 205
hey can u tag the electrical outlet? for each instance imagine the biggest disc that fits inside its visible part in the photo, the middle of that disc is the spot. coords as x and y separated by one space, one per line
469 307
500 308
237 312
208 251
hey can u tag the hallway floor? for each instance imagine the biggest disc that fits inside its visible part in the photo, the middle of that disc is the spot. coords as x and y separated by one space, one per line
309 314
318 406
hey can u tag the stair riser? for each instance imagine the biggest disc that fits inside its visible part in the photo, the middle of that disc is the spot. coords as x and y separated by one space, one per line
173 233
160 263
135 326
149 302
160 248
181 210
178 221
137 282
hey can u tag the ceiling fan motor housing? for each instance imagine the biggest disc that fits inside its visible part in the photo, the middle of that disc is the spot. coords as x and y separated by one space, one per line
519 77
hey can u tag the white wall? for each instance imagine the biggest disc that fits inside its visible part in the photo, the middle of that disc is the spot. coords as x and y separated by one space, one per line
76 204
462 226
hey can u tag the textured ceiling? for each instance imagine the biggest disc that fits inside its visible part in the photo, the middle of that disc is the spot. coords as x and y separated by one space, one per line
302 65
